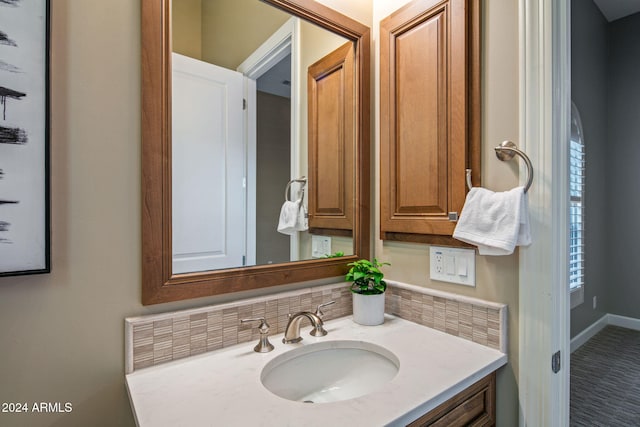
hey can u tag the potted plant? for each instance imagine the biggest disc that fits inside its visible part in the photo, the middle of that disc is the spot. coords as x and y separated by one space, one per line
367 291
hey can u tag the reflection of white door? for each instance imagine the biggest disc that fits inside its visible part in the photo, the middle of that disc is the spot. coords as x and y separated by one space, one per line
208 166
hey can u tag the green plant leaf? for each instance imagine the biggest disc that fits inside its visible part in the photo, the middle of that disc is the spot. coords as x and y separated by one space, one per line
366 277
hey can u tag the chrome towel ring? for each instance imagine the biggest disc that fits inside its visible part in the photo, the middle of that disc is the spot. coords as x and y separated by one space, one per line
302 180
506 151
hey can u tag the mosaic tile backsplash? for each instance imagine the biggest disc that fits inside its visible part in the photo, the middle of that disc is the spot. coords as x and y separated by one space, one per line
479 321
155 339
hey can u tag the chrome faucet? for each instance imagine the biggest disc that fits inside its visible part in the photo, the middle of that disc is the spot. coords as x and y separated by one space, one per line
292 331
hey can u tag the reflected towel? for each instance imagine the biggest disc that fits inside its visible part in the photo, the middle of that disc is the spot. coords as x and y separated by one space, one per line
293 217
495 222
303 219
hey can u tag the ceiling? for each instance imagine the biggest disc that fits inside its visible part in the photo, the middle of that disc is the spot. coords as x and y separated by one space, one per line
277 81
616 9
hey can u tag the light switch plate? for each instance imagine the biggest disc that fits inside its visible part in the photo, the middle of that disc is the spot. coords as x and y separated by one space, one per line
453 265
320 246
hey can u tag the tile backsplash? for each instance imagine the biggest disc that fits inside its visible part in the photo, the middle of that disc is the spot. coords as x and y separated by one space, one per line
480 321
155 339
159 338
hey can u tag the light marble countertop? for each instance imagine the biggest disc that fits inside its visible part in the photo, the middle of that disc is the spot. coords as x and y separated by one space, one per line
223 388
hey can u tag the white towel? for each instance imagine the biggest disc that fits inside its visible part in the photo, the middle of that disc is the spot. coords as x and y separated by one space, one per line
495 222
293 217
303 219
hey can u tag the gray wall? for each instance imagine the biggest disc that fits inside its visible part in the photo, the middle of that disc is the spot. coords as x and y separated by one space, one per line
624 171
274 164
605 86
589 52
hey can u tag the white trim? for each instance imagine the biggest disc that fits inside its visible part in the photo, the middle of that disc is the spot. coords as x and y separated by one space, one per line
447 295
251 167
584 336
285 41
543 272
272 51
298 85
624 322
608 319
577 296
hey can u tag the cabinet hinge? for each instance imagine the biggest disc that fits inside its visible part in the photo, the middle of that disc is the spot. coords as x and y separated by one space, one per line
244 104
453 216
555 362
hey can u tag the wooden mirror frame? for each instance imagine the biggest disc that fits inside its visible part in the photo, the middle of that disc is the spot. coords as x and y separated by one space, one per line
159 285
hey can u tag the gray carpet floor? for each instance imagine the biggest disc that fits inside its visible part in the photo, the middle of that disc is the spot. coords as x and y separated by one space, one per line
605 380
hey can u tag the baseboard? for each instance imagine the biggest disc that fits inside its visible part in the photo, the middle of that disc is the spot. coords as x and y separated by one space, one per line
624 322
589 332
598 325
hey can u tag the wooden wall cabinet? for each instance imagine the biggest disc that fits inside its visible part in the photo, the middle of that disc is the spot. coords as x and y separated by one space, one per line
475 406
331 143
430 117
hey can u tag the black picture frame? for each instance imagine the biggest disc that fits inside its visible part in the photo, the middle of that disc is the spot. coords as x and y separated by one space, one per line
25 235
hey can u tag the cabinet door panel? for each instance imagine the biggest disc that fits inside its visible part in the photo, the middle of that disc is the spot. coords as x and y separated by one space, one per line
420 161
429 114
475 406
331 147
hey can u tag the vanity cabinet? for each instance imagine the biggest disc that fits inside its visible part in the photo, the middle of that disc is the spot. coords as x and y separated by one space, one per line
475 406
429 117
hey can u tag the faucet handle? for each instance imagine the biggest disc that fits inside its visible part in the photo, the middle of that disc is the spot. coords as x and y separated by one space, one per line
319 330
319 312
263 346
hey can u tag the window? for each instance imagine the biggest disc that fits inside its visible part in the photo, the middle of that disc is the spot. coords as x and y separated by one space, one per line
576 208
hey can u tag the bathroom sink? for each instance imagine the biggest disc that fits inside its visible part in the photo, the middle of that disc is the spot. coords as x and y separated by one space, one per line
330 371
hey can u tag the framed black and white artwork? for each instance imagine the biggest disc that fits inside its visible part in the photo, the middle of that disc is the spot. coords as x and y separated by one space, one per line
24 137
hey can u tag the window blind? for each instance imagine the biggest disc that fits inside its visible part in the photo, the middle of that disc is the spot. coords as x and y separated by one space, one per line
576 212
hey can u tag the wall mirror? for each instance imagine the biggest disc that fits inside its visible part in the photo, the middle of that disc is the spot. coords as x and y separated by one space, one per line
255 145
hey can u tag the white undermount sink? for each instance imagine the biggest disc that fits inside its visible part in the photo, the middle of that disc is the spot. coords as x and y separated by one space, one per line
330 371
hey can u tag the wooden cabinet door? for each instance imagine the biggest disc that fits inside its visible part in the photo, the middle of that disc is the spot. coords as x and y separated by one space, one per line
475 406
331 142
429 131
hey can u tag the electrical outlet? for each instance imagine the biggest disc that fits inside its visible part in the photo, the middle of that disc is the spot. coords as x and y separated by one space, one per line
439 263
320 246
453 265
595 302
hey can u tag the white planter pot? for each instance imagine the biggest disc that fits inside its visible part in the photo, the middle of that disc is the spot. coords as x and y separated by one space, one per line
368 310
